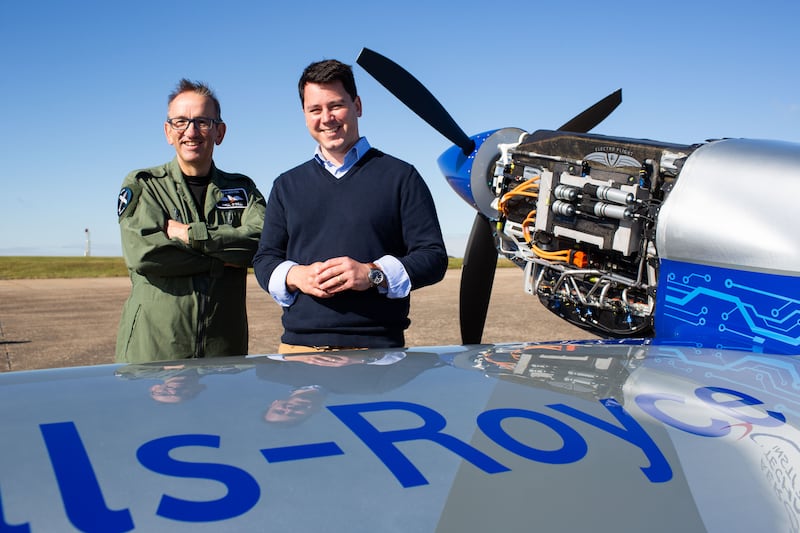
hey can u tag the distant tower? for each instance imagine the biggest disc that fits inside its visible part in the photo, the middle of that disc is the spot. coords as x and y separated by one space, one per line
88 250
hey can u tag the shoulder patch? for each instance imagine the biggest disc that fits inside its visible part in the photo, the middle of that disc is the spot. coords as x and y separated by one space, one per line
232 199
124 200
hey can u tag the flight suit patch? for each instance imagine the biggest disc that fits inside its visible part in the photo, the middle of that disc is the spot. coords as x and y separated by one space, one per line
232 199
124 200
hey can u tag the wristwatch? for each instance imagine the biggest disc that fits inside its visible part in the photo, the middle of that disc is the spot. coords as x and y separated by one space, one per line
375 276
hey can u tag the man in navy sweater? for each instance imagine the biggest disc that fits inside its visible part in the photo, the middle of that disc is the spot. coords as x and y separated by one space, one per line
348 234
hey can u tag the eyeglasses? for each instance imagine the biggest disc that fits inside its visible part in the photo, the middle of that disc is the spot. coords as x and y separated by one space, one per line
201 123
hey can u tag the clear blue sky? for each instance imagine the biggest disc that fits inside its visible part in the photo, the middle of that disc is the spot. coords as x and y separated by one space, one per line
83 86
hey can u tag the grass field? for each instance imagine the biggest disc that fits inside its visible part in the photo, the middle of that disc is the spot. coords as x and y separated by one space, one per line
19 267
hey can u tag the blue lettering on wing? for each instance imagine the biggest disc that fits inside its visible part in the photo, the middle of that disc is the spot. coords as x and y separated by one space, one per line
86 509
243 490
723 400
574 447
80 491
773 418
301 451
382 443
659 470
5 527
649 403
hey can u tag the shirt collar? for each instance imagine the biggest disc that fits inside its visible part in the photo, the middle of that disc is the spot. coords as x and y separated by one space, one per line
351 158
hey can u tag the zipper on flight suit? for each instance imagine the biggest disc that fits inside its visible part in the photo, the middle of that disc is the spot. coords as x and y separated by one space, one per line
202 285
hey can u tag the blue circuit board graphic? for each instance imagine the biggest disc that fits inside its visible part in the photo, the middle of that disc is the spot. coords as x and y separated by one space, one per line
728 309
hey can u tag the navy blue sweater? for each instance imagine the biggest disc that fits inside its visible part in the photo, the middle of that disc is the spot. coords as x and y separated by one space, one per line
381 206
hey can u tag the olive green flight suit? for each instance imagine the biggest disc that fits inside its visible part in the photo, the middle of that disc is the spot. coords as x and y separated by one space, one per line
187 300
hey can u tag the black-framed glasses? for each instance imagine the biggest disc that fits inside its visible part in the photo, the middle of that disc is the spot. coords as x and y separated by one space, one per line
201 123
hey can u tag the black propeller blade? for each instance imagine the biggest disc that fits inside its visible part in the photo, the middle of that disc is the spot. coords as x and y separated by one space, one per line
477 278
591 117
415 96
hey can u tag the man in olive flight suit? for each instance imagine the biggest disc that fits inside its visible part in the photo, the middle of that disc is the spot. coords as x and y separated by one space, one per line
189 232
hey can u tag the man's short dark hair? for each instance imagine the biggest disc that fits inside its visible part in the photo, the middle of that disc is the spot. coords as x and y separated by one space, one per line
188 86
328 71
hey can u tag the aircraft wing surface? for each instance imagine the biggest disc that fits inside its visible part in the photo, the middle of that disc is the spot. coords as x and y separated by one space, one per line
620 436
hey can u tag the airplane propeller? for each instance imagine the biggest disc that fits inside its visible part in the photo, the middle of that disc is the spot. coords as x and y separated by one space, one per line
477 279
480 258
586 120
415 96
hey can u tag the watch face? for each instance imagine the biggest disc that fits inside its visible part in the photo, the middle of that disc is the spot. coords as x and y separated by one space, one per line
376 277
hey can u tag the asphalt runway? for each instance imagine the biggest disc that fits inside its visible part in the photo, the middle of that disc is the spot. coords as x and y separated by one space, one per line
72 322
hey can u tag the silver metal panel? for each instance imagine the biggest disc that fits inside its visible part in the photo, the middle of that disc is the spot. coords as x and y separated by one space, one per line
483 168
735 204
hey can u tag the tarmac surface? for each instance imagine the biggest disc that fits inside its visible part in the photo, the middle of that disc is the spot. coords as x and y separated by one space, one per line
73 322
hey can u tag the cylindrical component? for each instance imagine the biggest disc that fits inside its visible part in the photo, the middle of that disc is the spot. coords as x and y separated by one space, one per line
609 194
563 208
619 212
566 192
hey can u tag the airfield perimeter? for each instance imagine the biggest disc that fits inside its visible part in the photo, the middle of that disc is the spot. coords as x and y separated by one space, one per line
47 323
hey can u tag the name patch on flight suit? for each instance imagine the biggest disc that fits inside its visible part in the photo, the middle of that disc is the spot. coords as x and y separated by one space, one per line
232 199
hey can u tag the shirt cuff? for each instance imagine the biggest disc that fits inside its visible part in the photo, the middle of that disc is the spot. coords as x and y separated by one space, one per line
277 285
398 283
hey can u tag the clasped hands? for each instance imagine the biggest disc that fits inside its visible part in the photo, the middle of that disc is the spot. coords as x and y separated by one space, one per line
327 278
